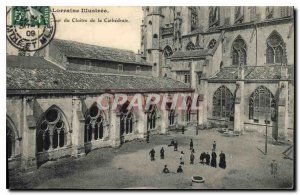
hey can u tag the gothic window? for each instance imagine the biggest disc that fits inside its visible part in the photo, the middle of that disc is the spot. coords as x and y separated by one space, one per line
94 128
190 46
212 44
214 16
168 51
269 12
223 103
126 120
239 52
262 105
10 142
194 18
188 111
51 130
274 53
151 117
238 14
155 36
187 77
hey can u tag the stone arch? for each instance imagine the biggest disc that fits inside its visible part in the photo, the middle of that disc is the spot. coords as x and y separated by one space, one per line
12 136
127 119
52 129
190 46
95 123
211 44
262 103
275 48
239 51
223 103
152 116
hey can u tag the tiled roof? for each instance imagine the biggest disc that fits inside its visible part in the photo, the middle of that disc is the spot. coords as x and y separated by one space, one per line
190 54
32 78
83 50
29 62
267 72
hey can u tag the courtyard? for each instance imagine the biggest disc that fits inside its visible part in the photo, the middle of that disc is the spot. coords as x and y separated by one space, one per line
129 166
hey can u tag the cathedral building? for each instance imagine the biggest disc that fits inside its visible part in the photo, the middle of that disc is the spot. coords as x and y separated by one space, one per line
52 108
240 60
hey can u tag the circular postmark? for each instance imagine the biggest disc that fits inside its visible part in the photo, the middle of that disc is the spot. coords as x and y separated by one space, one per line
30 28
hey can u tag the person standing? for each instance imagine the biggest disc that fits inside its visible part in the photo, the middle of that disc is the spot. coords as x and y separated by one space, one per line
192 158
191 144
182 130
162 153
222 163
214 146
152 154
213 162
181 158
175 146
207 158
202 156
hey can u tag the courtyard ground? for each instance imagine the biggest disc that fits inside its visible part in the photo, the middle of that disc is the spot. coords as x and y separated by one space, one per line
129 166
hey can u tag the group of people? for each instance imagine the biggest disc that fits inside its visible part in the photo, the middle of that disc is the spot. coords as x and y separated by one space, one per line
205 157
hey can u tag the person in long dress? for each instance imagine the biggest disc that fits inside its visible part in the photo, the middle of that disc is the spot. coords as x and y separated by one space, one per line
222 163
213 162
207 159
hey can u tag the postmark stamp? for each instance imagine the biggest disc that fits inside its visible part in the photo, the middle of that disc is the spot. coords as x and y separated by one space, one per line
30 28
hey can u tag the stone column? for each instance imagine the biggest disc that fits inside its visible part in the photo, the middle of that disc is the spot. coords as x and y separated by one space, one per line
164 121
29 136
142 121
239 103
78 122
114 128
283 110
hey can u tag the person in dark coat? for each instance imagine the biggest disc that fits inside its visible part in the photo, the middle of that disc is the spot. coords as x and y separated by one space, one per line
182 130
148 136
192 158
179 170
152 154
202 156
213 162
162 153
207 158
191 145
166 170
175 146
181 158
222 163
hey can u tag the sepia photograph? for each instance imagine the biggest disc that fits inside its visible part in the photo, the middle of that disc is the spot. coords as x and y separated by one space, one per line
150 97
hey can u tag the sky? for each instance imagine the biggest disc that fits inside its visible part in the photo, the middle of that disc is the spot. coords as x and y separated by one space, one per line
117 35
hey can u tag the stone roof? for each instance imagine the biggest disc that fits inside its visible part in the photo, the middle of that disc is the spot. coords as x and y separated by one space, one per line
38 77
267 72
199 53
83 50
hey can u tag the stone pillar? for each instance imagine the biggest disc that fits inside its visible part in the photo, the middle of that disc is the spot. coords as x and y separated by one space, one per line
283 110
141 124
29 136
239 103
164 121
78 126
114 128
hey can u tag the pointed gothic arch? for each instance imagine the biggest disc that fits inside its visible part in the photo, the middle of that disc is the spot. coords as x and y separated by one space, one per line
239 51
190 46
275 48
262 104
52 130
223 103
12 135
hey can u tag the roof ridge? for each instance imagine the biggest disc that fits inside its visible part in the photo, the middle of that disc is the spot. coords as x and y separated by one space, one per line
88 44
